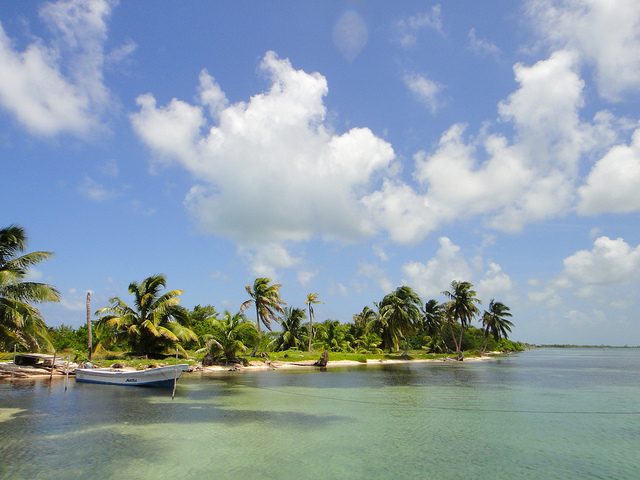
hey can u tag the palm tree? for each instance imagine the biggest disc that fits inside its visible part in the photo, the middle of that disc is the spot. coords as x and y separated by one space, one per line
21 324
292 329
399 316
266 297
333 336
495 321
312 299
154 323
230 335
432 316
364 320
461 308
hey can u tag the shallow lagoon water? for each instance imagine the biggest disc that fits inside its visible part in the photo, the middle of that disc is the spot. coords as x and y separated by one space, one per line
547 413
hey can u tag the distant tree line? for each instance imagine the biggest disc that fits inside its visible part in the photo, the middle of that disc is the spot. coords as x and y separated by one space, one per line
153 323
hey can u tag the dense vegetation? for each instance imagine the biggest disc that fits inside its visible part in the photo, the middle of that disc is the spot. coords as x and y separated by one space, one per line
156 325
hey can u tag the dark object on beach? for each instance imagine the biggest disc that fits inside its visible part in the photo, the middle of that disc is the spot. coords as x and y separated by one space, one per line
117 365
34 360
208 360
324 359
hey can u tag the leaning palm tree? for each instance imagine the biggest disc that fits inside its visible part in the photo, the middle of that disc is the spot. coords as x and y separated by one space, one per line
21 324
461 308
399 316
266 296
156 322
292 335
495 321
230 335
312 299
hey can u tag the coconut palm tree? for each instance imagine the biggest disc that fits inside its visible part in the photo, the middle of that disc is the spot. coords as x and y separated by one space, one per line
292 335
333 336
432 317
21 324
266 296
495 321
230 335
312 299
461 308
399 316
364 322
154 324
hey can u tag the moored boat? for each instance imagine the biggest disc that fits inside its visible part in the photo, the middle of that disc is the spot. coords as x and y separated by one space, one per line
152 377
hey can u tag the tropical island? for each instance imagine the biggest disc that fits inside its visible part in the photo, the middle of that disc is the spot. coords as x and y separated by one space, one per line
152 327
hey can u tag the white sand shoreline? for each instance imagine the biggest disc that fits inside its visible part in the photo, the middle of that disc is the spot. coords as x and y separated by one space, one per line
309 364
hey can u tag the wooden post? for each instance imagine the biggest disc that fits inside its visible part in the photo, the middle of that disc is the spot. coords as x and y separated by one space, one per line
175 376
53 365
89 324
66 379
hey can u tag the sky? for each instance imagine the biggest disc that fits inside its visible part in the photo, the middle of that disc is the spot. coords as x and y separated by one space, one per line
338 147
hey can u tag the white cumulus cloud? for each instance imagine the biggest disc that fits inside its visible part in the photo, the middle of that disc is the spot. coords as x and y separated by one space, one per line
605 33
433 277
59 87
270 167
609 261
613 185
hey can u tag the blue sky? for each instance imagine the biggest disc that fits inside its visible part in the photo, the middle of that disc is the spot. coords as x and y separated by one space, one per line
343 148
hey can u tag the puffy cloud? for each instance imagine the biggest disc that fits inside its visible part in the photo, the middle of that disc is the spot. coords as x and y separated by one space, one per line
605 271
528 178
33 86
401 211
495 282
350 35
608 262
433 277
266 259
424 89
409 27
606 35
448 264
268 168
614 182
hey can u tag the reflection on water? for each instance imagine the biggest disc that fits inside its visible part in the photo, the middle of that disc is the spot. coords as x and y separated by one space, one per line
541 414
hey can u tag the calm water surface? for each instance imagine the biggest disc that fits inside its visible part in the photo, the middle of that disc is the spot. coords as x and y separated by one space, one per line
546 413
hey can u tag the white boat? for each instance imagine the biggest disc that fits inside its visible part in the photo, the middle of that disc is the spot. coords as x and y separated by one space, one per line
152 377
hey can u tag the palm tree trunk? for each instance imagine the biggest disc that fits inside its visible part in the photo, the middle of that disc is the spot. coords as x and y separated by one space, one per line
310 327
461 355
255 349
455 340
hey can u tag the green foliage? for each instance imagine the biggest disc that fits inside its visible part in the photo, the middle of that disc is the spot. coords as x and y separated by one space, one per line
461 309
399 316
21 324
266 298
496 322
293 334
230 335
66 337
199 321
154 325
333 336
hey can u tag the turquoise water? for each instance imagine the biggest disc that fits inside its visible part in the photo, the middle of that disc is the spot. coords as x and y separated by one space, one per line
546 413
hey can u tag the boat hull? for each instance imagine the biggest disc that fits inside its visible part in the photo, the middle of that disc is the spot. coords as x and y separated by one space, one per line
161 377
